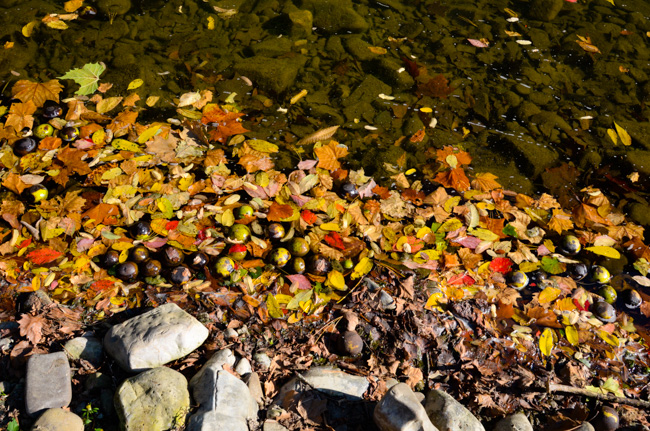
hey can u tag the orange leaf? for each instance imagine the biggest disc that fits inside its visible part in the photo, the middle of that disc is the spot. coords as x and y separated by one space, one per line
14 183
329 154
308 216
277 212
122 121
560 221
463 157
36 92
43 255
223 131
102 214
32 327
485 182
381 191
20 115
49 143
584 212
454 178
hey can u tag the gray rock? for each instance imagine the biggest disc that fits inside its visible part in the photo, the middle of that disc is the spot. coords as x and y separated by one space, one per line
262 360
154 338
545 10
214 364
400 410
447 414
335 16
47 384
271 425
586 426
154 400
225 403
328 380
87 348
516 422
230 334
58 420
271 74
252 380
243 367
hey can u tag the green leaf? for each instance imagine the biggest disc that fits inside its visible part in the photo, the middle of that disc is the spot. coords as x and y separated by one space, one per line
87 77
13 425
552 265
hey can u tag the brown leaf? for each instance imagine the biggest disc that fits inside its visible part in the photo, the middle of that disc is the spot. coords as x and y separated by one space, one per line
20 115
163 148
485 182
454 178
585 212
560 221
14 183
120 124
438 86
32 327
277 212
71 159
36 92
11 210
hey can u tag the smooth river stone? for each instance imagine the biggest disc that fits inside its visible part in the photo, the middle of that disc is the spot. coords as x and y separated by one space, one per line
47 384
154 338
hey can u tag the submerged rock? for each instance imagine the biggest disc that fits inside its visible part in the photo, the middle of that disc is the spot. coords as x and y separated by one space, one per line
335 16
271 74
545 10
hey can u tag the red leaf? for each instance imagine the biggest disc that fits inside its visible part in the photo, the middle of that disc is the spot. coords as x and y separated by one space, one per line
171 225
43 255
308 216
334 240
100 285
461 279
501 264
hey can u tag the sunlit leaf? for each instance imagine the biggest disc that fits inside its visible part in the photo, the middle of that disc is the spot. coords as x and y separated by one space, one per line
549 294
546 342
273 307
572 335
136 83
605 251
87 77
43 255
335 279
622 133
38 93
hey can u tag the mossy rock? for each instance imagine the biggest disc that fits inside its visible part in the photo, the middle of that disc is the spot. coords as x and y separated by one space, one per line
335 16
271 74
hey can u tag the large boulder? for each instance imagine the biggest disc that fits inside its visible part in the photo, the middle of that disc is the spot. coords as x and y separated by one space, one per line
400 410
154 338
275 75
155 400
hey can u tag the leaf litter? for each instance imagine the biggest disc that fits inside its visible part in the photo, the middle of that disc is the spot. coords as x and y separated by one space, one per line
423 274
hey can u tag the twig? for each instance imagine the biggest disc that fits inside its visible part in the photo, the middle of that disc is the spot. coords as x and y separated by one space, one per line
553 387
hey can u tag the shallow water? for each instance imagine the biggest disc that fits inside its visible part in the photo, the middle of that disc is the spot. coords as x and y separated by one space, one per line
531 101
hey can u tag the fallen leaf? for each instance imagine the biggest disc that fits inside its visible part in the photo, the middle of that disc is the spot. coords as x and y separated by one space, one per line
31 327
36 92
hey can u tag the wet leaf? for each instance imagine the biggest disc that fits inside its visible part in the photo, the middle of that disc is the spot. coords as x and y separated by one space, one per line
485 182
136 83
329 154
87 77
20 115
622 133
43 255
605 251
36 92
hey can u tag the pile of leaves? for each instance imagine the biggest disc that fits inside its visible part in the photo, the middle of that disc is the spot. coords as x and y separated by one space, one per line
441 249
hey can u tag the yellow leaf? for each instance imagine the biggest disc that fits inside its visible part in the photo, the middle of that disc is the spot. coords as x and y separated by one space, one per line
330 227
124 145
228 218
262 146
111 173
612 135
565 304
434 301
57 24
610 339
377 50
622 133
210 23
152 100
335 279
362 268
135 84
546 342
107 104
484 234
72 5
28 28
528 266
149 133
549 294
165 207
99 137
572 335
423 256
274 307
605 251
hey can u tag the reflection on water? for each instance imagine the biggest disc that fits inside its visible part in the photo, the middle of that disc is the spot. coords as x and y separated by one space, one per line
507 80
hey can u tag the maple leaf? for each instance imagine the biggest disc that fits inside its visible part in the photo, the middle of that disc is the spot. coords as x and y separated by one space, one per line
454 178
485 182
223 131
225 123
278 212
121 123
461 157
43 255
585 212
329 154
500 264
560 221
37 92
215 157
14 183
71 203
334 240
254 163
308 216
71 159
50 143
32 327
20 115
163 148
10 211
438 86
102 214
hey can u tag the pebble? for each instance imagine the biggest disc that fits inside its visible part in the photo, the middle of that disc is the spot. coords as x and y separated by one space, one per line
400 410
154 338
87 348
447 414
516 422
58 420
154 400
214 364
48 383
230 334
243 367
262 360
271 425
